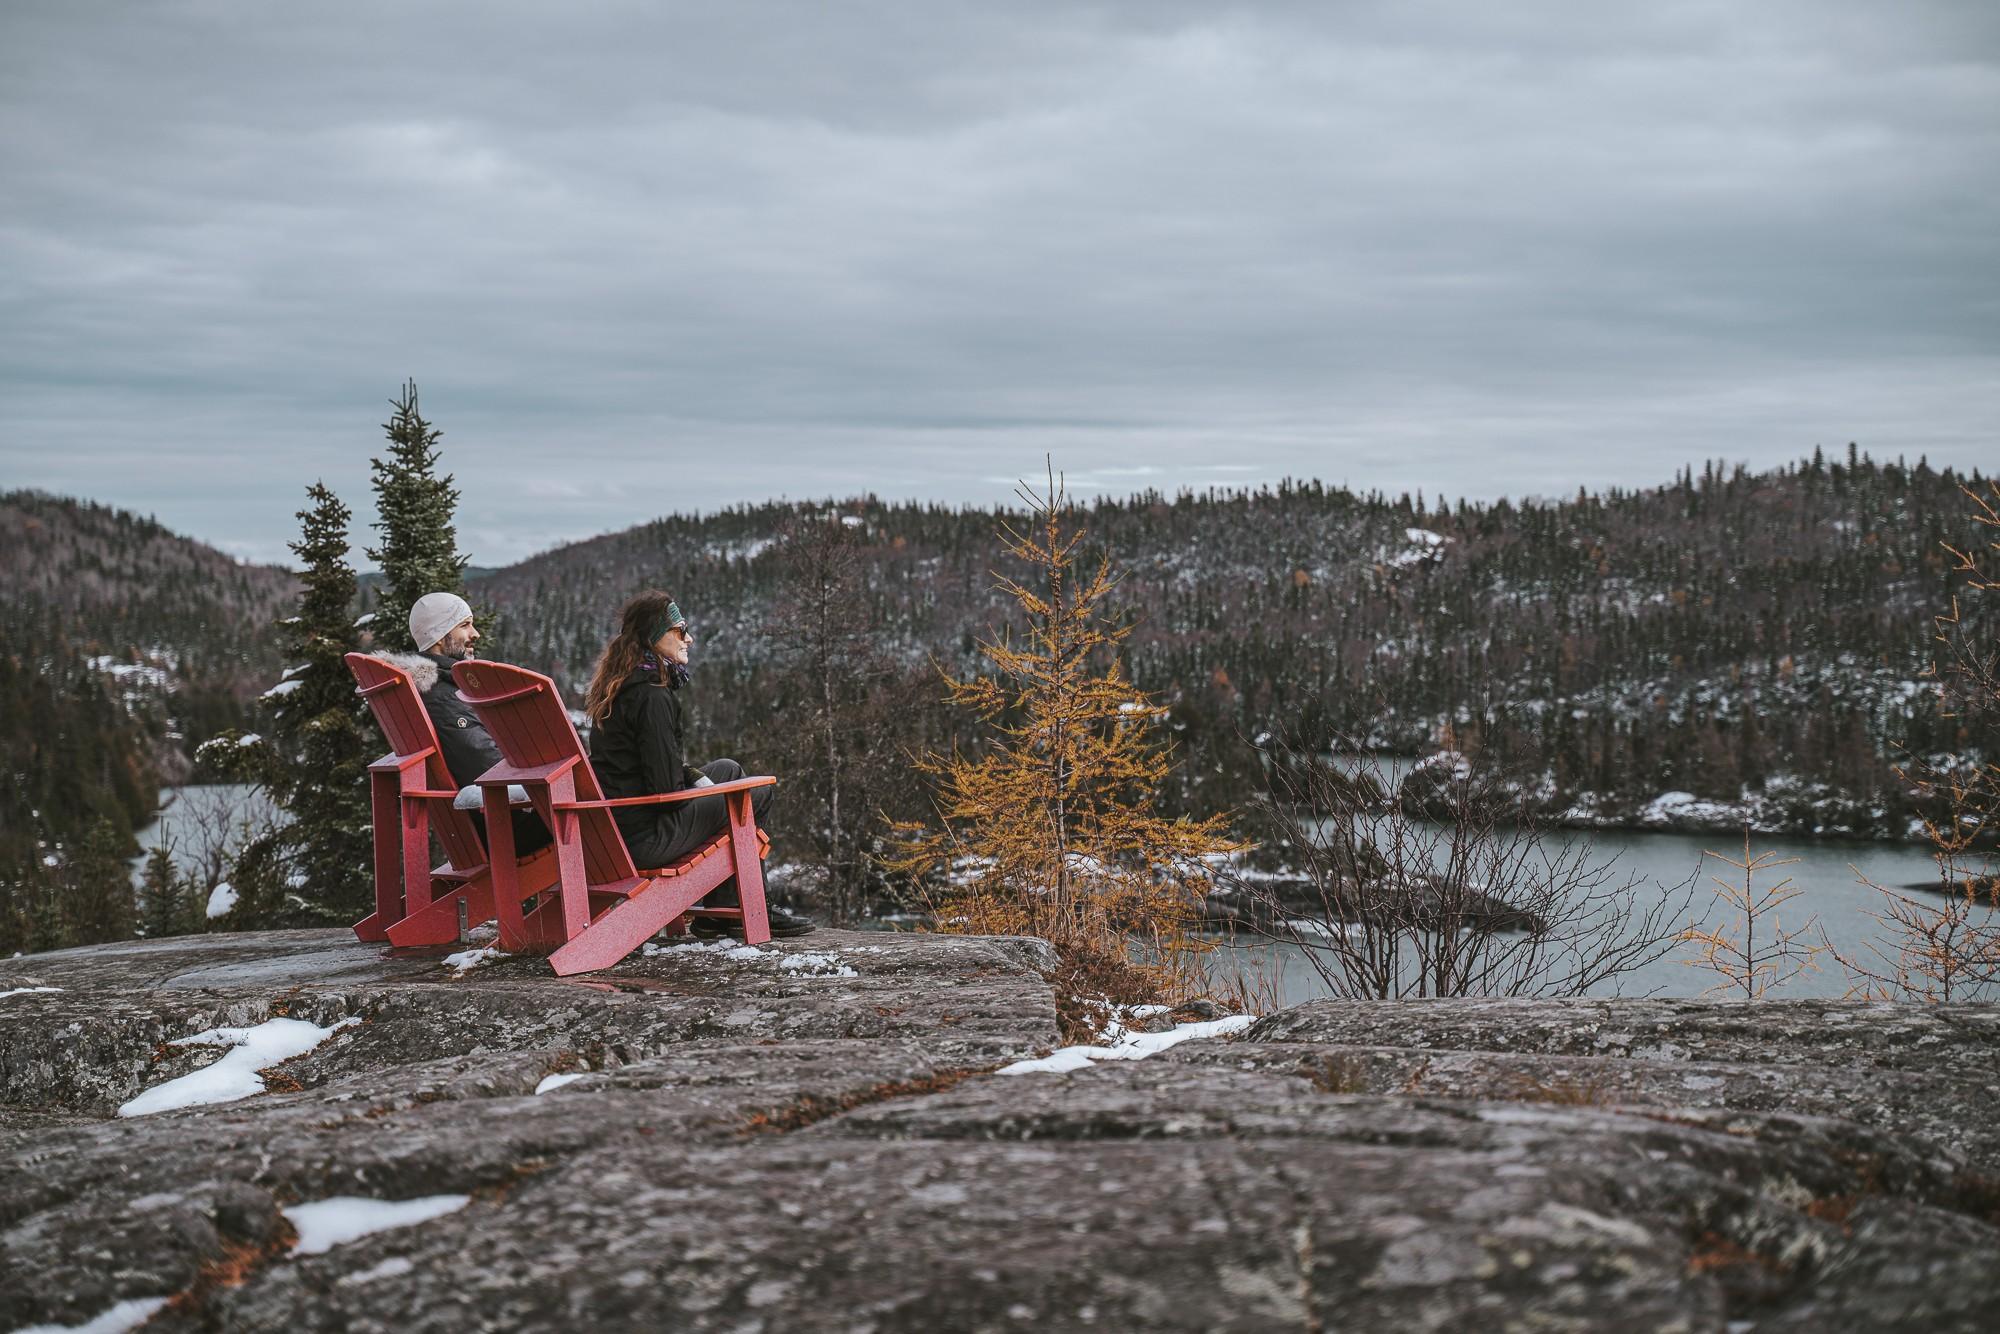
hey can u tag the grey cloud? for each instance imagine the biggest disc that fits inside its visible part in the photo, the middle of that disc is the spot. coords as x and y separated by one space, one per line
646 257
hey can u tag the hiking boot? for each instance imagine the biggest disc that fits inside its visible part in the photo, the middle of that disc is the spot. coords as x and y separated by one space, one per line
783 925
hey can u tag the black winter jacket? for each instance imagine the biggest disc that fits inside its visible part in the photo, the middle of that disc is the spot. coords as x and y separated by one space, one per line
469 749
639 750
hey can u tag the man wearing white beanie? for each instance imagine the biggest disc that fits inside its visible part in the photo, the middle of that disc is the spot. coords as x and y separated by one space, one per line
441 624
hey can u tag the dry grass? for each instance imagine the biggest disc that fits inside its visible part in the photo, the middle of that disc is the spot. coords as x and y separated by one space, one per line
1714 1252
1342 1072
805 1111
1089 984
1561 1091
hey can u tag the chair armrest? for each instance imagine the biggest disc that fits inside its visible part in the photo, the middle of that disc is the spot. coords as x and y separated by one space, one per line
503 773
664 798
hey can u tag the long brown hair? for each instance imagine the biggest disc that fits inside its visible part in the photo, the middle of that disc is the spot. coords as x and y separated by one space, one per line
642 616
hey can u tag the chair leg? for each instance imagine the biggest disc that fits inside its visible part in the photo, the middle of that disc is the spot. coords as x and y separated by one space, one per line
628 925
416 824
384 799
505 872
568 830
748 868
438 923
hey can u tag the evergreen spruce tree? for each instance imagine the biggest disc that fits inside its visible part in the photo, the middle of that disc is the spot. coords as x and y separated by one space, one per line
314 758
97 886
163 897
414 507
48 926
324 723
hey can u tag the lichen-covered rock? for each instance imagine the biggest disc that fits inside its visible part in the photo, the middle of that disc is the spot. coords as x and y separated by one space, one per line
813 1135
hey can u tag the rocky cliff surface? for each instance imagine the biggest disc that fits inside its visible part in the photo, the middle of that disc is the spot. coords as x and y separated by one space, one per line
814 1135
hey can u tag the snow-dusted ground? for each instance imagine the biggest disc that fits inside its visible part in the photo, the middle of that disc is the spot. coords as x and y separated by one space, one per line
236 1074
26 991
809 963
126 1315
550 1083
325 1224
465 961
1125 1045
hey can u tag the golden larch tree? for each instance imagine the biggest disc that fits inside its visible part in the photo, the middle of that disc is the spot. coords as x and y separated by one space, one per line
1052 829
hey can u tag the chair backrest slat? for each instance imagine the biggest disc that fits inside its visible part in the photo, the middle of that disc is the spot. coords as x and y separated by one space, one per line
399 711
532 728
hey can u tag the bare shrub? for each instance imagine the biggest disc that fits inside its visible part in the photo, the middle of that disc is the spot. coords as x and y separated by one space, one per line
1945 948
1466 898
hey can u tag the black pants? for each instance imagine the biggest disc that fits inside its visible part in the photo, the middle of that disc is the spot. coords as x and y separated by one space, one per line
685 826
530 834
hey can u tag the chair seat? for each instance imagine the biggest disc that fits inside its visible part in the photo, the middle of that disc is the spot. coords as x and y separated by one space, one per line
694 858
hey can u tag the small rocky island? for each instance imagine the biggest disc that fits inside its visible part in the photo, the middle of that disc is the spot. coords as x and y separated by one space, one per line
819 1135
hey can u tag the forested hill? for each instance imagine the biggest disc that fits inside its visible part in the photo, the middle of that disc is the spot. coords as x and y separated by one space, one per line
1755 639
124 645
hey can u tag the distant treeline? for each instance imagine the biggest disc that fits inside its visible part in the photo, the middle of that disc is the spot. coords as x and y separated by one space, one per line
1725 631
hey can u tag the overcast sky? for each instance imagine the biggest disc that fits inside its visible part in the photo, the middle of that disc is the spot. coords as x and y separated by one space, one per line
644 257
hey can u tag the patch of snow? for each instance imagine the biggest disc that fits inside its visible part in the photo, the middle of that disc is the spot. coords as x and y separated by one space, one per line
366 618
235 1075
1127 1047
748 549
1454 762
221 900
1670 807
722 945
465 961
1423 545
299 670
132 673
1307 926
852 520
551 1082
248 739
51 860
394 1267
325 1224
128 1314
26 991
281 689
816 965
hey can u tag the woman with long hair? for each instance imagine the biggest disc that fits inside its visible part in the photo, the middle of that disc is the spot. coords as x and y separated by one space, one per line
638 737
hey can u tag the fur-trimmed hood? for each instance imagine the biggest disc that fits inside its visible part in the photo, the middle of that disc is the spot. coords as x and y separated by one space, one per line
468 749
423 671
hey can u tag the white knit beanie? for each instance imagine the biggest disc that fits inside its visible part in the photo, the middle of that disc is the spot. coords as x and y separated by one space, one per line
434 616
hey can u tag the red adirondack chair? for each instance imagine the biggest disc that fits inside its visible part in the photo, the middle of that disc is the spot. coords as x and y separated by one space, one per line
607 907
411 792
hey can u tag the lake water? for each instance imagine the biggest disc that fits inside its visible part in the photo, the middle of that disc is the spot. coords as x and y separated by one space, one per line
1829 873
193 821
